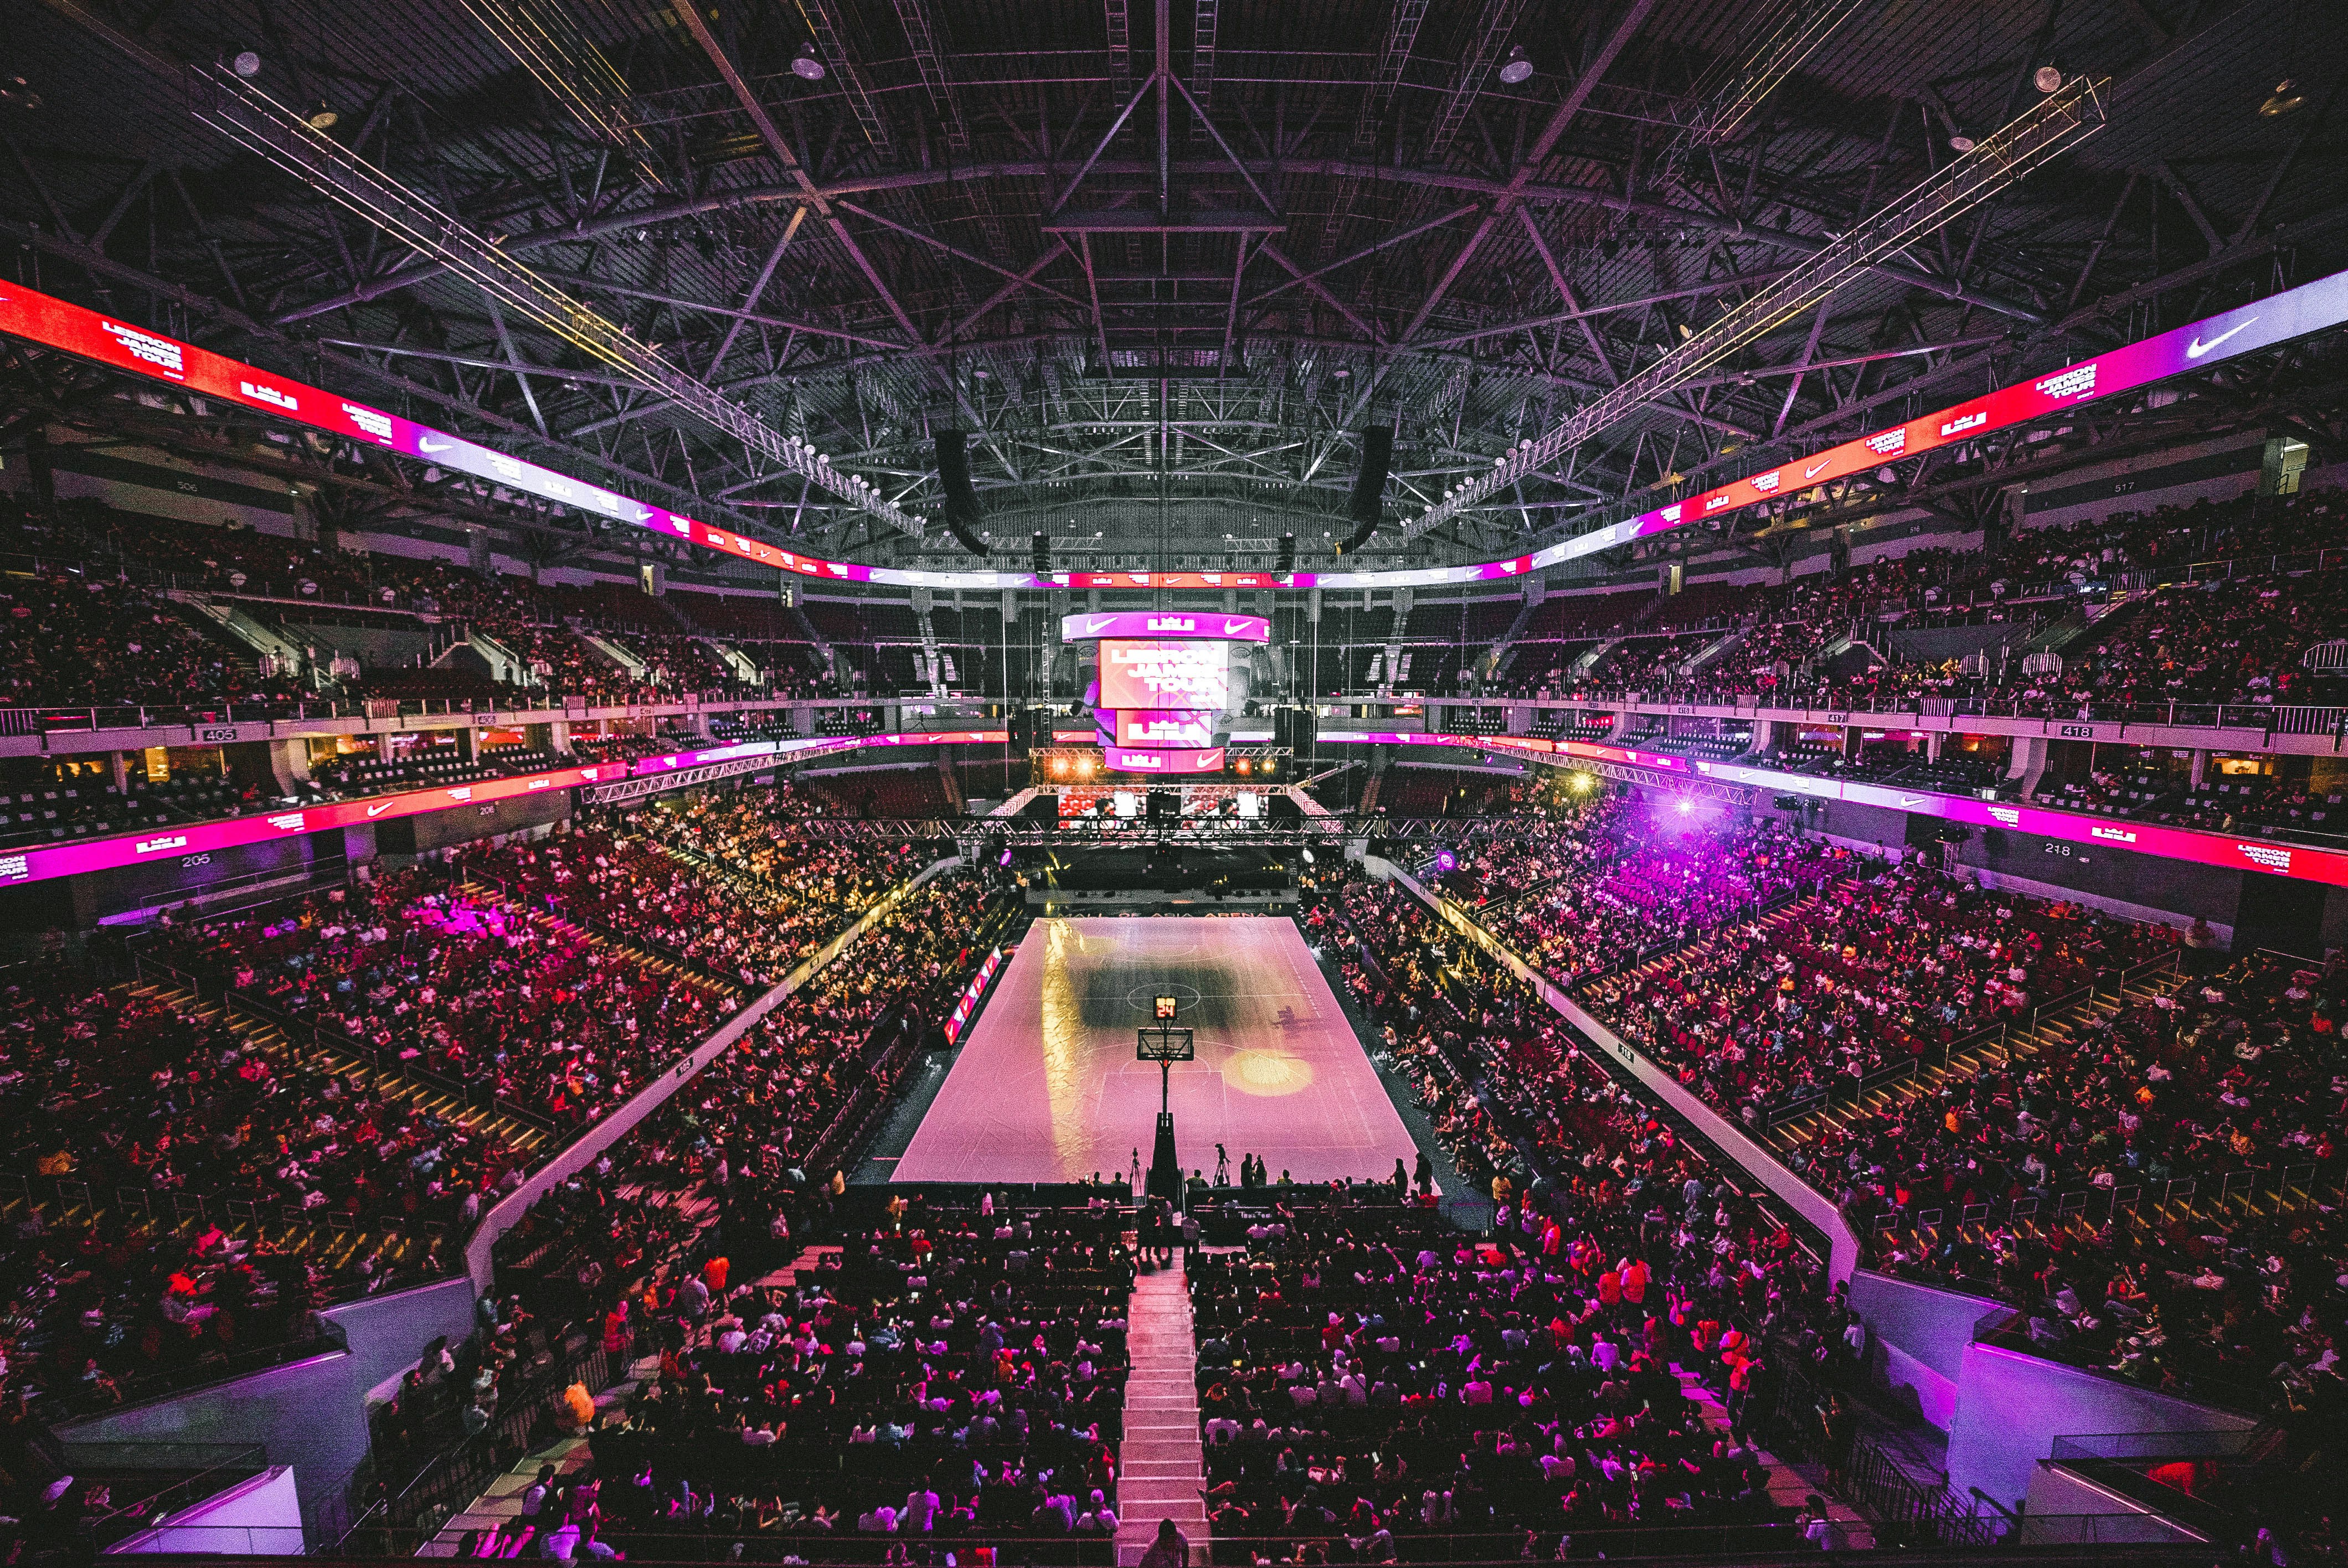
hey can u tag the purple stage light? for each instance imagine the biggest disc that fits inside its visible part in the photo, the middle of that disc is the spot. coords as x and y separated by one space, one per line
1446 861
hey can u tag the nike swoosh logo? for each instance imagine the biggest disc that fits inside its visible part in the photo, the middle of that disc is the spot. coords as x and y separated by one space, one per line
1230 627
1812 471
2197 348
378 810
425 443
1100 623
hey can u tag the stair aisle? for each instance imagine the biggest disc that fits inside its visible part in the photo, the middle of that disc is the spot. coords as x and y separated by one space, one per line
1788 1486
1161 1470
499 1507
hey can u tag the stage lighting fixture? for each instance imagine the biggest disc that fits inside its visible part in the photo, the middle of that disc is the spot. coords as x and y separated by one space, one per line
1084 767
324 118
2285 97
1059 767
807 67
1686 805
2047 79
1308 859
1961 142
246 65
1517 68
1242 766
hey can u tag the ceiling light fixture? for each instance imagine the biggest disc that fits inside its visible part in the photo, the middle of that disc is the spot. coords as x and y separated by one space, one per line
2047 79
1962 142
2285 97
805 67
1517 68
323 118
247 64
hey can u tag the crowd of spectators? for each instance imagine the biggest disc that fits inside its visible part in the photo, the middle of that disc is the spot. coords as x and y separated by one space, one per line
1527 1385
971 1363
512 1006
169 1121
75 641
127 645
2234 634
2202 1079
1377 1381
1888 966
1607 878
661 1239
616 876
201 1189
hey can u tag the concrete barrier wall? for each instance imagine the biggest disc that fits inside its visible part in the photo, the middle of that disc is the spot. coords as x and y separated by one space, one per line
2011 1406
1731 1140
387 1333
310 1414
1920 1332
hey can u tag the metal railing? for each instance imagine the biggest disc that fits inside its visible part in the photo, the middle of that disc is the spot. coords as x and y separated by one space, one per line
527 1415
2208 1195
1909 1513
213 1466
2266 565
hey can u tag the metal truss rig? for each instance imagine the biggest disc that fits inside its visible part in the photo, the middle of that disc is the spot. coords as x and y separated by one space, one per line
259 123
2057 123
630 790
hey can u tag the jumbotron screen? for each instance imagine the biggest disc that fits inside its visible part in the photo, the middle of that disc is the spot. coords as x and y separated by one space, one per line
1164 673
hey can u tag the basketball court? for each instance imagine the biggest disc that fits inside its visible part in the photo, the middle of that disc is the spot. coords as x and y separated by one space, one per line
1047 1088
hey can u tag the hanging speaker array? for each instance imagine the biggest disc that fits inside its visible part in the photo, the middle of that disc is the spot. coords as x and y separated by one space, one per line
1369 486
961 510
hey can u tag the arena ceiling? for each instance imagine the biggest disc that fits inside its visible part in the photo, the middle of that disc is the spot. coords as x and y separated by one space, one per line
1163 264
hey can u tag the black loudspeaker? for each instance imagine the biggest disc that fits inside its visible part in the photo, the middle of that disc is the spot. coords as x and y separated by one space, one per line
1042 808
1287 553
1369 484
1019 725
1297 729
961 510
1165 805
1039 553
1838 552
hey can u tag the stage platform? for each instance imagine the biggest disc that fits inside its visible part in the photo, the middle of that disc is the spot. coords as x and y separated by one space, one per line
1046 1088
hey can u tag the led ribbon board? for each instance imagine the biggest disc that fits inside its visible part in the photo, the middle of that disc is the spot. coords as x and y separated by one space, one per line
960 1019
55 324
1522 745
2292 313
2220 850
167 844
2226 850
